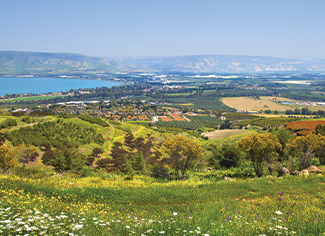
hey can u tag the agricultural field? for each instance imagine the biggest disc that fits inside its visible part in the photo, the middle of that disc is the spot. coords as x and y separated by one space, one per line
196 122
35 98
268 122
250 104
203 205
304 127
226 133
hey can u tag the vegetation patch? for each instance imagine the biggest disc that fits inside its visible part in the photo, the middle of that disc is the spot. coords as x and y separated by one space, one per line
226 133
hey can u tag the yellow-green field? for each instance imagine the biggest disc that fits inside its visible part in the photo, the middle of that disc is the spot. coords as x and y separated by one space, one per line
250 104
226 133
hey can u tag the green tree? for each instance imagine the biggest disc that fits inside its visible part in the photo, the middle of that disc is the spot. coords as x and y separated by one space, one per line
25 154
66 157
320 149
320 129
182 152
228 155
260 148
7 159
302 150
138 163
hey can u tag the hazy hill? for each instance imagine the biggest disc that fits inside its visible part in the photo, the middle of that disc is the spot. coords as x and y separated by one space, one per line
31 62
17 62
223 63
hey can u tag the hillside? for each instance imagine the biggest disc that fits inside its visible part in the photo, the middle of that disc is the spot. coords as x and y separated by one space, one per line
22 62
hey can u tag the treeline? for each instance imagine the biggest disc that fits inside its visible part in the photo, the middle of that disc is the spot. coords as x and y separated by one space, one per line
93 120
115 92
268 122
8 123
238 116
54 133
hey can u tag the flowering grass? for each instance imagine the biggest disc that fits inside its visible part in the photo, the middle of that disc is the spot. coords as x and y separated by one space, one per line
288 206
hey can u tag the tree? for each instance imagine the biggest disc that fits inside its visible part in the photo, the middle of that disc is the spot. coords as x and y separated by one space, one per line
285 137
289 112
47 156
182 152
96 151
260 149
7 159
66 157
320 149
138 163
26 154
45 146
228 155
302 150
2 140
306 111
320 129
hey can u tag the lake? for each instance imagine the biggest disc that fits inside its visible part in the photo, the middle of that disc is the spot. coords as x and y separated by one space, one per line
47 85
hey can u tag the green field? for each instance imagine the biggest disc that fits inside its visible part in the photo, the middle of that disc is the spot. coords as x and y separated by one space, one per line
203 205
35 98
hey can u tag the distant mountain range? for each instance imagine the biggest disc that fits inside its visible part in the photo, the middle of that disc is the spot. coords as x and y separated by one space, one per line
224 63
24 62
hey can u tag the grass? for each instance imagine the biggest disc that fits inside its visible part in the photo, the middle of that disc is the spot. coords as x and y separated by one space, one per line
201 205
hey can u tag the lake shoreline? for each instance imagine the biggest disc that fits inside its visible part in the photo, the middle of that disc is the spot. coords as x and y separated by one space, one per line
40 86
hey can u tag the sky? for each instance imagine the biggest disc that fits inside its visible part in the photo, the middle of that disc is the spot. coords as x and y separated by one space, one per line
109 28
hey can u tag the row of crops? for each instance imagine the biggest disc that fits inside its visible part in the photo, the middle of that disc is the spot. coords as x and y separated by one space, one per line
268 122
195 123
204 103
179 124
238 116
206 121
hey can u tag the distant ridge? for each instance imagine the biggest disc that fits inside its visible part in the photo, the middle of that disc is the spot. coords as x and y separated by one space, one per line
224 63
16 62
20 62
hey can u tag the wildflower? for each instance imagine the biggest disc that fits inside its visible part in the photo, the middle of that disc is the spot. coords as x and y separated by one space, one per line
295 203
278 213
78 226
280 199
287 213
318 214
127 227
161 232
175 213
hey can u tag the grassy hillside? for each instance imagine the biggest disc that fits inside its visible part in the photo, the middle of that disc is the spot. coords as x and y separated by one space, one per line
202 205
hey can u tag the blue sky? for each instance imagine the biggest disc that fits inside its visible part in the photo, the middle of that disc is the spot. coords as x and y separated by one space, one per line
280 28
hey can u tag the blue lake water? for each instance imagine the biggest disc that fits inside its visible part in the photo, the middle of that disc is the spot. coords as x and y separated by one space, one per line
47 85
